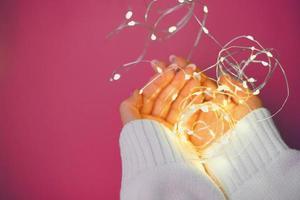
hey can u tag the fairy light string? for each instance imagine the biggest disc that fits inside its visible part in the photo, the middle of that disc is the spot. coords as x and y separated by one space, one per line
228 62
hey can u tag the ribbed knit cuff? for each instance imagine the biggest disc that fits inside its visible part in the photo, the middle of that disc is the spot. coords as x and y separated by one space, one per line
251 147
148 144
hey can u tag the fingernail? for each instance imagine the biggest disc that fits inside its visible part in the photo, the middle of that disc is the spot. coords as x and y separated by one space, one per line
172 58
173 66
197 75
192 66
154 63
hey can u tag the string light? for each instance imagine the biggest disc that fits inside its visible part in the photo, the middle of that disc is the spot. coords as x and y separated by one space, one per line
153 36
228 62
172 29
128 14
131 23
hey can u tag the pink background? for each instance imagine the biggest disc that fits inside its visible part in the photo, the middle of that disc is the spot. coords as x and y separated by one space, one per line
59 118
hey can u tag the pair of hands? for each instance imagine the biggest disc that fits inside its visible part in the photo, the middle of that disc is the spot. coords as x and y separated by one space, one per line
170 93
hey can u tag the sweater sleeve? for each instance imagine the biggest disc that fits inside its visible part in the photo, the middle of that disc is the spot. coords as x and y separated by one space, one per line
156 166
254 163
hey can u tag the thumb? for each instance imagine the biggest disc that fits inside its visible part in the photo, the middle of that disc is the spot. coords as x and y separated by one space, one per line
130 108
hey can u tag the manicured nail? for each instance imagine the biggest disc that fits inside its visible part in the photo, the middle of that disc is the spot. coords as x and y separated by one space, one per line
173 66
172 58
156 67
192 66
154 63
197 75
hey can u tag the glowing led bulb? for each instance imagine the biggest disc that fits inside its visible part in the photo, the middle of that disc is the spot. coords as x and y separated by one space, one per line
187 77
212 133
222 59
252 48
227 117
128 14
196 75
256 92
205 30
174 97
153 36
205 9
141 91
204 108
223 88
197 93
245 84
269 54
264 63
251 80
131 23
252 57
172 29
250 37
238 88
117 76
159 70
181 1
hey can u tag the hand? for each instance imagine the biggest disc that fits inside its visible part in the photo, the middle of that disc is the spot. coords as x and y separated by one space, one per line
161 99
158 102
224 109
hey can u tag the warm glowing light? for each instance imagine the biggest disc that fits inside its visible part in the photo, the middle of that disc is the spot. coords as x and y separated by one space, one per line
128 14
174 97
269 54
153 36
252 57
117 77
251 80
245 85
204 108
205 9
159 70
197 75
256 92
172 29
187 76
205 30
264 63
226 63
131 23
250 37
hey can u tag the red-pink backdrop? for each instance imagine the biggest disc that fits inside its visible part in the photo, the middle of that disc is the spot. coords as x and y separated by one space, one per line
59 121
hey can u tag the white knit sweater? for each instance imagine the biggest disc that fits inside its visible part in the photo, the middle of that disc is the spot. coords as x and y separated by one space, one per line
253 164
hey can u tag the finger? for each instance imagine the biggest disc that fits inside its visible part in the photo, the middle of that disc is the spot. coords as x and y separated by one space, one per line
209 86
205 129
183 100
180 61
158 66
170 93
187 96
151 91
237 90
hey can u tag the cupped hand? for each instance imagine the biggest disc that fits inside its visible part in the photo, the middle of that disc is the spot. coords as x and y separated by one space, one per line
161 99
227 102
172 91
